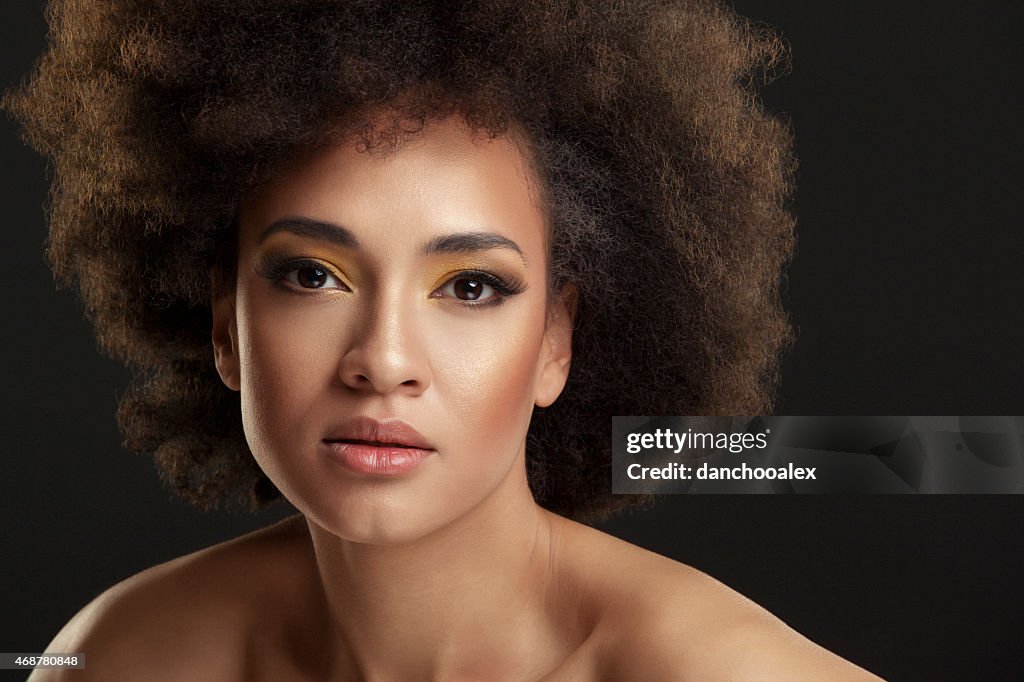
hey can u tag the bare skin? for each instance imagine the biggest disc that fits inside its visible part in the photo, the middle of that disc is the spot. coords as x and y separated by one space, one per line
448 570
253 609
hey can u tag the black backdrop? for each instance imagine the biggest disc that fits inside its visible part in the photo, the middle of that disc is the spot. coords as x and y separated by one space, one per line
905 290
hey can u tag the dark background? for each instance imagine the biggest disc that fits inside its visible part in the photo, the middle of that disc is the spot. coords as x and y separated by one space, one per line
905 290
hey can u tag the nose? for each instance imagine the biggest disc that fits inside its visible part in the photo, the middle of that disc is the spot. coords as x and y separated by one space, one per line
386 353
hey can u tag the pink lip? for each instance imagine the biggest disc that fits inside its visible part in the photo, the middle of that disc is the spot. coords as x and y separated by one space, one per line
383 448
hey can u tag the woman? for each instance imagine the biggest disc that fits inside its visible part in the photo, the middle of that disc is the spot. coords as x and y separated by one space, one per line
435 249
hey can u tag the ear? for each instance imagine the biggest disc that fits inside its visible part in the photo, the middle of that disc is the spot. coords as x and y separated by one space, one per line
225 331
556 351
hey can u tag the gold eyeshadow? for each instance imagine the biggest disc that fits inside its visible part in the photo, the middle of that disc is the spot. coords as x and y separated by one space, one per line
478 274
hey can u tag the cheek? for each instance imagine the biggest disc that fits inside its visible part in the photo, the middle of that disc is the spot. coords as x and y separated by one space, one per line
487 372
285 368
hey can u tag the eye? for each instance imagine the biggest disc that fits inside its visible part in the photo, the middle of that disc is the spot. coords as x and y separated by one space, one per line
477 288
313 276
307 274
466 288
296 274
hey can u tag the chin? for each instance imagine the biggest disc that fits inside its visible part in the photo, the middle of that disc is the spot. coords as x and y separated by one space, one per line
374 520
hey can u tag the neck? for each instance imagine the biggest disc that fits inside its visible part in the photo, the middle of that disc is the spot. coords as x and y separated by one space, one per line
467 599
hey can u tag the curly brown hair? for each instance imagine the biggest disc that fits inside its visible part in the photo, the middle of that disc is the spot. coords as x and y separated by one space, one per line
666 185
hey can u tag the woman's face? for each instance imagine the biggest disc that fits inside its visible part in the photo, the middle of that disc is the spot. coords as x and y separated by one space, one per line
401 288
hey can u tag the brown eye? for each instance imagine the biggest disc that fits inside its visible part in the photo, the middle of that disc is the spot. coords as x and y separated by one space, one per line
310 277
473 288
468 289
313 276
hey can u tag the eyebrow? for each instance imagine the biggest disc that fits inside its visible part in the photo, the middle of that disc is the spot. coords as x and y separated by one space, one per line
316 229
456 243
470 242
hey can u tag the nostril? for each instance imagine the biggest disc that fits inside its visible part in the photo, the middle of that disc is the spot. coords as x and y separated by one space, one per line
383 372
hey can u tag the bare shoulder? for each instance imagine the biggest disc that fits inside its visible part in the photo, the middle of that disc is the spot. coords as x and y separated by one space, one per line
697 628
661 619
175 619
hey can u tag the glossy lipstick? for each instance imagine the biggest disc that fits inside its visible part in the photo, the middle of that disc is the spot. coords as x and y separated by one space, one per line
383 448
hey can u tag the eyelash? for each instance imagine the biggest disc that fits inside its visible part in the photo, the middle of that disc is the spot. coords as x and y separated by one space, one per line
276 268
503 288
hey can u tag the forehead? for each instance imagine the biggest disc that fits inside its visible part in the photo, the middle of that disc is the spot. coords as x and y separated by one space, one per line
443 178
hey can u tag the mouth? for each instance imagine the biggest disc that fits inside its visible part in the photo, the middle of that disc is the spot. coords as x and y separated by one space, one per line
383 448
364 430
371 443
372 458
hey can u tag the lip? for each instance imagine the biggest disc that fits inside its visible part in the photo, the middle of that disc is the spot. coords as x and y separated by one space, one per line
384 448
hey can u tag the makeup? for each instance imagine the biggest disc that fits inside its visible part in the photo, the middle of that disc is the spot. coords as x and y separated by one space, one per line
382 295
365 445
376 459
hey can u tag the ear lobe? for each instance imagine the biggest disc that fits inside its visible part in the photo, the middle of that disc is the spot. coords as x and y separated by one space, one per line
225 334
556 352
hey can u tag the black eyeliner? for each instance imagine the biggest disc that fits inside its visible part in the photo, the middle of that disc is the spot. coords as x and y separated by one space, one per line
274 267
505 288
508 287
